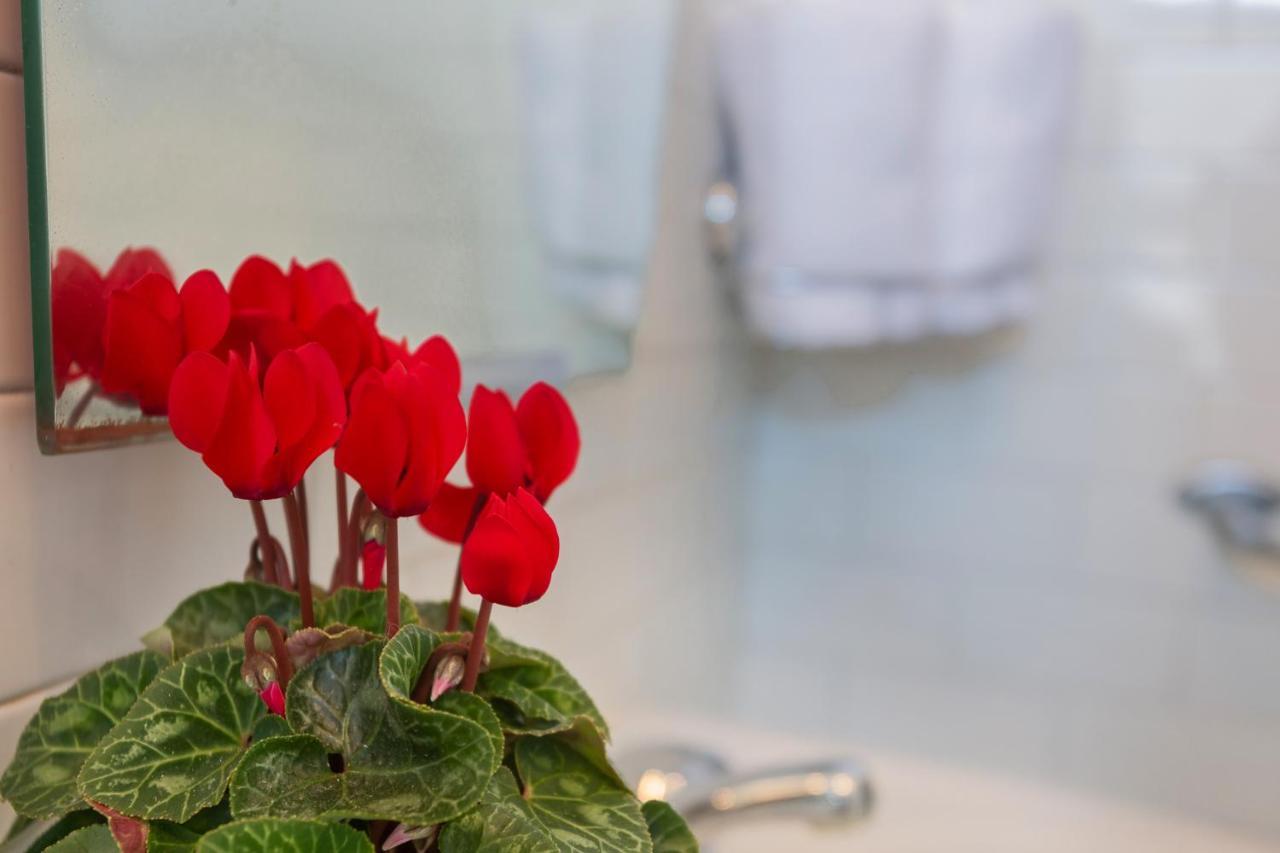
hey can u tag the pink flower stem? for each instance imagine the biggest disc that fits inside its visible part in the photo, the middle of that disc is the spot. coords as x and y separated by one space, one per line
355 527
266 547
393 576
306 516
301 568
475 654
455 602
339 572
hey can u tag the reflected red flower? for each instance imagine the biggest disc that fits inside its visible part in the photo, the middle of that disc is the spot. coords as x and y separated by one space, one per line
510 555
150 326
78 306
259 437
533 445
405 433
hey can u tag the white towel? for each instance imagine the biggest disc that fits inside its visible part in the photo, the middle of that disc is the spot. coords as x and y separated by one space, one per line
1006 96
895 161
593 85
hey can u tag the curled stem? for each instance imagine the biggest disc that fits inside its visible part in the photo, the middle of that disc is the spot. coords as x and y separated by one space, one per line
279 652
266 548
301 569
475 653
455 601
393 576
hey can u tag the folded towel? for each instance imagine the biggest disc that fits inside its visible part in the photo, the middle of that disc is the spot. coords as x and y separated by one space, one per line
593 85
895 161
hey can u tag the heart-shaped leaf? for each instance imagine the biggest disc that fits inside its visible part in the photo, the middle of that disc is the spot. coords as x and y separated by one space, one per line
401 666
268 835
216 615
91 839
668 830
362 608
502 823
534 693
361 754
580 807
174 751
41 780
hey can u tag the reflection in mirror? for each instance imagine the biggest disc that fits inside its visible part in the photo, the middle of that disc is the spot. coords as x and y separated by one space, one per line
483 170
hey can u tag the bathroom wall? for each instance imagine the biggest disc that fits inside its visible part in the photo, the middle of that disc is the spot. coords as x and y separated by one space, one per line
982 536
97 548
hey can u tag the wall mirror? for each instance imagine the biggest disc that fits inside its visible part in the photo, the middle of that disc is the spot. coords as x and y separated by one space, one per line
484 169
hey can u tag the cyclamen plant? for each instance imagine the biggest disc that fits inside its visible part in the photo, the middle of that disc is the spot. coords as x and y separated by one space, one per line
270 713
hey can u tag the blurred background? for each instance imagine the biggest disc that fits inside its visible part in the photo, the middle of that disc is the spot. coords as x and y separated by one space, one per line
947 306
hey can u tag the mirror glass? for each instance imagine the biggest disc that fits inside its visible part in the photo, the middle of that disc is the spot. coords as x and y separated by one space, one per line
482 169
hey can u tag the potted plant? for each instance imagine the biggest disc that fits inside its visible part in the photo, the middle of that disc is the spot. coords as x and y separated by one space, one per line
271 713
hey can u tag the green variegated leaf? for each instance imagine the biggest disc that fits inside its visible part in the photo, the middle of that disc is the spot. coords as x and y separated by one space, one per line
219 614
581 808
668 830
165 837
286 777
401 665
271 726
41 780
502 823
361 608
174 751
91 839
538 695
268 835
399 761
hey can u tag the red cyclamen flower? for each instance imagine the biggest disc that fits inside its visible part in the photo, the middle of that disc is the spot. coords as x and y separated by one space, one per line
150 326
510 555
435 351
78 304
273 311
405 432
273 697
259 437
532 445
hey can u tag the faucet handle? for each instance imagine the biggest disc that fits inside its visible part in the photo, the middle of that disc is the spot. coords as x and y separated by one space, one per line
826 792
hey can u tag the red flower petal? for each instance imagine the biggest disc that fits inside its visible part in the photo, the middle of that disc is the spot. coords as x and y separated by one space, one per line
142 343
78 306
449 511
197 395
439 353
245 440
374 450
206 310
541 541
550 437
494 563
373 556
132 264
496 460
260 285
273 697
289 397
317 289
329 413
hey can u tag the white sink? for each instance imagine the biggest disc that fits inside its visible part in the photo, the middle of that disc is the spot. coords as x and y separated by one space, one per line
926 807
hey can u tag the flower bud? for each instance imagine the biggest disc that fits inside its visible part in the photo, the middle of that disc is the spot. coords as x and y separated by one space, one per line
448 675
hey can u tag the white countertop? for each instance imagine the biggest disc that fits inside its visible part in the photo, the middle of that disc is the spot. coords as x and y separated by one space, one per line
927 807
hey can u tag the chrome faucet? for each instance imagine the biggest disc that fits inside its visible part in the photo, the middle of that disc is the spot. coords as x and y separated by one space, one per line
699 786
